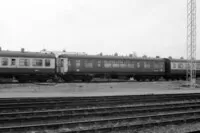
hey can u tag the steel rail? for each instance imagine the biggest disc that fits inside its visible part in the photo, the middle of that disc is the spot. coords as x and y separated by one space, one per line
105 121
87 104
136 126
69 117
104 110
48 99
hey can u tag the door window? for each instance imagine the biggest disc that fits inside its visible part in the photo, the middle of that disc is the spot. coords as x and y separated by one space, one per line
13 62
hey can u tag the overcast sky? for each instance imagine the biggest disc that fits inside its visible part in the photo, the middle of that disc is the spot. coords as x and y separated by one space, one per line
151 27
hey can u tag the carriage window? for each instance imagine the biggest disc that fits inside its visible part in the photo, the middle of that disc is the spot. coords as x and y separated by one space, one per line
24 62
198 66
69 63
99 63
156 65
37 62
147 65
47 62
115 64
78 63
4 61
180 65
174 65
187 65
162 65
88 64
61 62
138 64
13 62
131 64
107 64
123 64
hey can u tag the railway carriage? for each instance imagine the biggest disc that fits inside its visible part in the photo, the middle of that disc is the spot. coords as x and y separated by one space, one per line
25 66
176 68
85 67
37 66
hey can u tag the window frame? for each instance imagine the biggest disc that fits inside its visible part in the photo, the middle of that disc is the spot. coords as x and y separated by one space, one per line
2 61
35 62
99 63
138 64
78 62
49 63
88 63
13 61
26 62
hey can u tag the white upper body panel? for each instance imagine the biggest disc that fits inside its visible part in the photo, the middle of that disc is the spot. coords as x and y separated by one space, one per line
21 62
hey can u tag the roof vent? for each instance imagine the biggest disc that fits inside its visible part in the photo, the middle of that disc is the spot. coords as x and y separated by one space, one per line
22 50
170 57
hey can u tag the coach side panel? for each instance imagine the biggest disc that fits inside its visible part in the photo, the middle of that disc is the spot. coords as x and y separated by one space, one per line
79 66
20 65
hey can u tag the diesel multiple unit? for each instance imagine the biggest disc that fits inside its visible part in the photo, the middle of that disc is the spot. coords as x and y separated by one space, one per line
37 66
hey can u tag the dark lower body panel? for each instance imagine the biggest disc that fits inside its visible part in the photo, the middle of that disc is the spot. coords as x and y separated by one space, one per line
85 76
26 75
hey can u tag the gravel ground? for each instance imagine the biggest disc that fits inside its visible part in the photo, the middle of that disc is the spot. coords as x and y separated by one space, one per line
171 129
93 89
163 129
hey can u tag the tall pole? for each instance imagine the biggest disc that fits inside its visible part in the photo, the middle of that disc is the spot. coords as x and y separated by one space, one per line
191 43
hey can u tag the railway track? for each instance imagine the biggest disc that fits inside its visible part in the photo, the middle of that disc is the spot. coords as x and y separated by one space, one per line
23 104
182 108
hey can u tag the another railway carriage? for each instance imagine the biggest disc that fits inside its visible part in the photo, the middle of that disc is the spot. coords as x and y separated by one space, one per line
176 68
85 67
25 66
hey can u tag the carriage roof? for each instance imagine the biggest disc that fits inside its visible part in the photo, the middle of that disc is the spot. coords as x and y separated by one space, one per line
108 57
26 54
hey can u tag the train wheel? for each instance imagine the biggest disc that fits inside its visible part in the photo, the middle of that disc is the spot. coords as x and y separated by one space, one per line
68 78
143 79
137 79
42 80
156 78
22 80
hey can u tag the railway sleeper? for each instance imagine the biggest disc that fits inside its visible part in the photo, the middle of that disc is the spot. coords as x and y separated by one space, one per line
173 118
91 111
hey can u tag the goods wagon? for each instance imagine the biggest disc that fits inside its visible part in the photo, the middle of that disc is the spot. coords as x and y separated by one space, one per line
86 67
25 66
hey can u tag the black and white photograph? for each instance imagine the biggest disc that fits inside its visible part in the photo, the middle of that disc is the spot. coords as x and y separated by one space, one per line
99 66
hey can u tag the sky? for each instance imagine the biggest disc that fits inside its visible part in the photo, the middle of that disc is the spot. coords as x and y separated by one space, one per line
146 27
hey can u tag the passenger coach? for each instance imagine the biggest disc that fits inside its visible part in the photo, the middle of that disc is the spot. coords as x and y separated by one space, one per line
86 67
25 66
176 69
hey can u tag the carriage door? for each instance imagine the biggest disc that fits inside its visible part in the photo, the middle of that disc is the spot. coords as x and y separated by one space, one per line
64 65
13 62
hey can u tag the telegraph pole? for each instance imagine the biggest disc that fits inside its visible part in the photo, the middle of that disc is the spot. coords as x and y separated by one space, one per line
191 43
